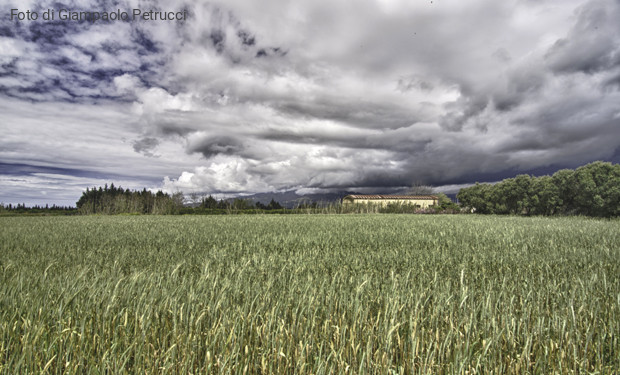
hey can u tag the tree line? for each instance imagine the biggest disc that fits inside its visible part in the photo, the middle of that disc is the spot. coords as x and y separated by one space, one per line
236 204
112 200
21 208
592 190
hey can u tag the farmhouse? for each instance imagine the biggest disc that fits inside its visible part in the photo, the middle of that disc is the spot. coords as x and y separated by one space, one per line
422 201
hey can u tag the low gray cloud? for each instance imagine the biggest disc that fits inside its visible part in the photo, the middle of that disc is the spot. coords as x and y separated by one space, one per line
145 145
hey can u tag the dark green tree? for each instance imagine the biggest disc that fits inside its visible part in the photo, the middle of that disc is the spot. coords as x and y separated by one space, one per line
208 202
273 205
477 197
592 189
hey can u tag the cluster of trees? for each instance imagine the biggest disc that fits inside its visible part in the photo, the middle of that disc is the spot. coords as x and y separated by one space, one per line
592 190
36 209
211 205
112 200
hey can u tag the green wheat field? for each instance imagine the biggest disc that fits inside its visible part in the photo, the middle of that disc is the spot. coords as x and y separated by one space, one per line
309 294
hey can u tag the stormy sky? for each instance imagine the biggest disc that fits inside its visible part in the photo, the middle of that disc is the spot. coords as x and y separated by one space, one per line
323 95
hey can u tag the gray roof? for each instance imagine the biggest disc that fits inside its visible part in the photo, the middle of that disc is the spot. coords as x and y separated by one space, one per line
381 196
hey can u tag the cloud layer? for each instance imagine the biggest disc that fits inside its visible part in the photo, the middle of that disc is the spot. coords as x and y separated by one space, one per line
273 95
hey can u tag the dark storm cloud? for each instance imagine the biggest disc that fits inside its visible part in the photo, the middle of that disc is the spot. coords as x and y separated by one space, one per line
414 82
172 128
215 145
592 43
403 143
18 169
521 85
272 51
147 44
460 112
361 114
32 170
224 33
145 145
378 180
218 38
567 124
613 83
246 38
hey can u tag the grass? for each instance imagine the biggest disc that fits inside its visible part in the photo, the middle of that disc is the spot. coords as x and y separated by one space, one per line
389 294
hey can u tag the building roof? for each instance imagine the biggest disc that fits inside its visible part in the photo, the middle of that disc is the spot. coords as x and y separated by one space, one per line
380 196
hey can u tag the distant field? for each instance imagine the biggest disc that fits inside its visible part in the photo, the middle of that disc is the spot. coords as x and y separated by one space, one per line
309 294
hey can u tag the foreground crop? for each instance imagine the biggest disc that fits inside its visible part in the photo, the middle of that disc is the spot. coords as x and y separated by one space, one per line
309 294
